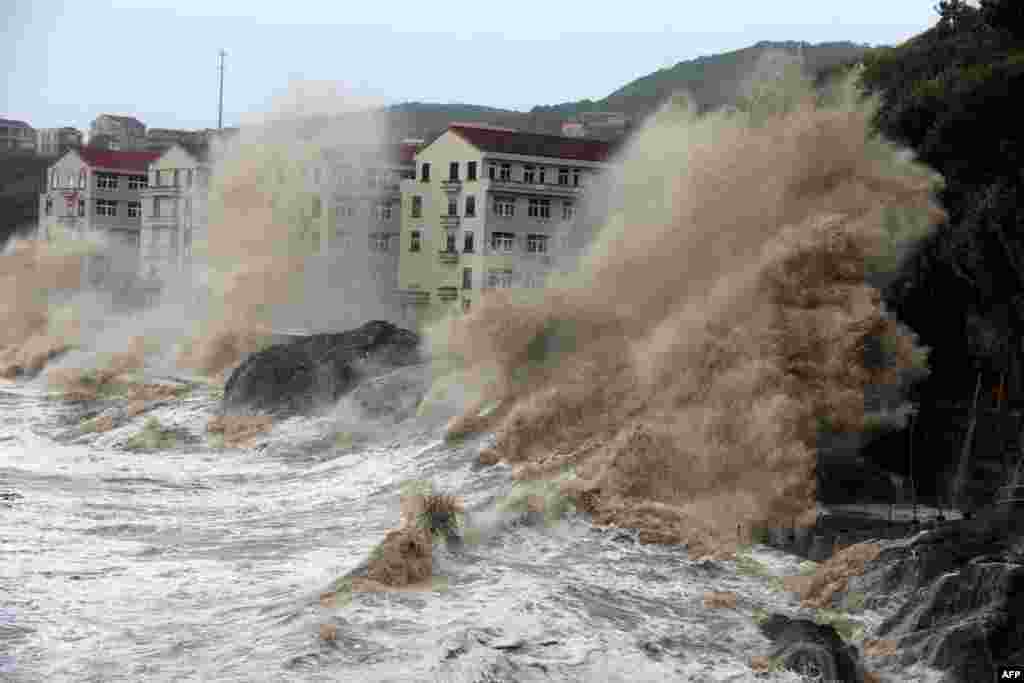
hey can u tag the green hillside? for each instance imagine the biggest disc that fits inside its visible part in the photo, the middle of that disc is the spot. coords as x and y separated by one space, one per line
712 81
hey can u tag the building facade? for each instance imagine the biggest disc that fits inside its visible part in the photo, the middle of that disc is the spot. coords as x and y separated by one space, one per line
55 142
92 192
124 133
16 136
174 211
487 209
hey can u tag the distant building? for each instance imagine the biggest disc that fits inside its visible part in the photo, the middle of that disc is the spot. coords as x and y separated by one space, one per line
117 133
55 142
488 209
96 192
605 125
174 210
16 136
160 139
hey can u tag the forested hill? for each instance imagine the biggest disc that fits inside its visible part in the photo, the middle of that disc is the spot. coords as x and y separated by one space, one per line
712 81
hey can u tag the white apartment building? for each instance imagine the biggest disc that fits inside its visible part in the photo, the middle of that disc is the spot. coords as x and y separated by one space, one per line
96 192
486 210
174 210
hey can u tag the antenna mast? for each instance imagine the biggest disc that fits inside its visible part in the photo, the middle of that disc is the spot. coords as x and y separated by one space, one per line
220 104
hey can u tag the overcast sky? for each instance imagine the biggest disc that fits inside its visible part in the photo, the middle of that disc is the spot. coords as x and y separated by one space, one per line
68 61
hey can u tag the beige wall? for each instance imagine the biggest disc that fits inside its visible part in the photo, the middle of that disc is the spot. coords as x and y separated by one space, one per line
426 271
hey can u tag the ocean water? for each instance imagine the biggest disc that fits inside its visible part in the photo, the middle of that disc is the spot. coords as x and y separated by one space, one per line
204 563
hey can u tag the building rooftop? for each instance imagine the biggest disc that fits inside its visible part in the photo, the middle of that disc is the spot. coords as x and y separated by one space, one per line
122 160
511 141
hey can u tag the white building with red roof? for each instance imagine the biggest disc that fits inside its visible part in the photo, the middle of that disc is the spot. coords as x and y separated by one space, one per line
95 192
487 209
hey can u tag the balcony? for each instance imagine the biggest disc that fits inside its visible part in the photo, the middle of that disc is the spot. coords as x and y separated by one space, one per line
448 257
447 293
451 185
449 221
550 189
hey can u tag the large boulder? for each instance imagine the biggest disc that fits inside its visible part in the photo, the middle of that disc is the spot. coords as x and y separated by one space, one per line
313 372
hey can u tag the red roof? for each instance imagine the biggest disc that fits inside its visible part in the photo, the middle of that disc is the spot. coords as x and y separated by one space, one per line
509 141
407 152
124 160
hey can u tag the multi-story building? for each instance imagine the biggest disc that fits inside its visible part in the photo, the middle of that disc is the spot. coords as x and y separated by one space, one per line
485 211
96 192
174 210
109 131
357 208
55 142
16 136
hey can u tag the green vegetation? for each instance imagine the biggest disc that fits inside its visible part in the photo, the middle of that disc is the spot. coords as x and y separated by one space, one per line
153 437
854 601
711 81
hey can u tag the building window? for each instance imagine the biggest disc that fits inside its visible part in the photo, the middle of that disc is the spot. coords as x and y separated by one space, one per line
453 207
536 244
106 181
453 170
576 177
53 179
568 211
471 170
138 182
470 206
506 173
81 179
539 208
317 207
467 243
425 174
415 240
467 278
379 242
383 212
106 207
417 207
188 178
81 208
492 171
177 173
503 241
134 209
499 278
449 243
529 174
563 176
316 175
49 206
505 207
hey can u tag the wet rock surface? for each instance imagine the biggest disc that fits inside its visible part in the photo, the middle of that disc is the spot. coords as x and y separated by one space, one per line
314 372
813 649
959 591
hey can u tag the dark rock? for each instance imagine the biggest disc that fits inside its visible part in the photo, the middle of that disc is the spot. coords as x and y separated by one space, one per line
813 649
314 372
395 395
962 587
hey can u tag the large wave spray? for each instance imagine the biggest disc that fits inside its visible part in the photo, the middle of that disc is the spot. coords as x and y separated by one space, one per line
722 316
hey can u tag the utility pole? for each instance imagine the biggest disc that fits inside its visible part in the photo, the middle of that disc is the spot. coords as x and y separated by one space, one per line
220 105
